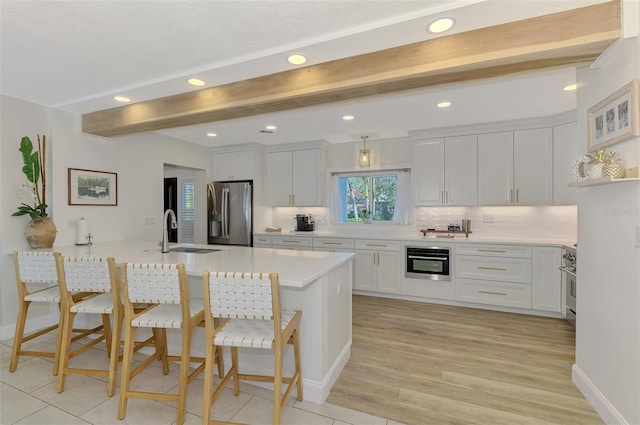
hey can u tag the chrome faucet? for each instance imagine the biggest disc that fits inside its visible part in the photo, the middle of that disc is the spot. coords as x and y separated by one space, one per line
165 233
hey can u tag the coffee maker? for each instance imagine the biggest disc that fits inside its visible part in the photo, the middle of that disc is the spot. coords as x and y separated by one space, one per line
304 223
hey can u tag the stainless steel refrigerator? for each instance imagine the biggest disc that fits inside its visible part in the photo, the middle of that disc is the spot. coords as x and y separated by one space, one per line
229 215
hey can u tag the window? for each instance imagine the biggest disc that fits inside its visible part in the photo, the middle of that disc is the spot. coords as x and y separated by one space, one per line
378 196
187 210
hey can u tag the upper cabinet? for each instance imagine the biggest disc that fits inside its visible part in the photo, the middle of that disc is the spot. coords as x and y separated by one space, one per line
446 171
515 167
233 166
295 177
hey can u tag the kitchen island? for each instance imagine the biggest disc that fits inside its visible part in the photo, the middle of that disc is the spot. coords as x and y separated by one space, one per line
318 283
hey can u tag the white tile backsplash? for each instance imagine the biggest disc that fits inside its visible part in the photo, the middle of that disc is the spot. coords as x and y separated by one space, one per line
531 221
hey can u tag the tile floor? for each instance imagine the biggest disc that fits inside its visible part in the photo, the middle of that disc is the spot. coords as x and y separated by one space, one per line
28 397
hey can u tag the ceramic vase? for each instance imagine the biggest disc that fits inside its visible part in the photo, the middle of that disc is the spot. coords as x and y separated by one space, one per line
614 170
40 233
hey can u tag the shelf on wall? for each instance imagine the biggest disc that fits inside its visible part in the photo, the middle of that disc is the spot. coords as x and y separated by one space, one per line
632 174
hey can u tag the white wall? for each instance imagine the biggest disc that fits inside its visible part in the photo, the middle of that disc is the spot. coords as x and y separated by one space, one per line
607 368
137 159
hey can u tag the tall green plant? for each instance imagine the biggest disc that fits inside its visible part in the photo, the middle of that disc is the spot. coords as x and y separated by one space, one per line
34 170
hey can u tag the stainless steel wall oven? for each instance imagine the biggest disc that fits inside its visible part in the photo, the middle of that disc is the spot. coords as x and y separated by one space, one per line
568 268
432 263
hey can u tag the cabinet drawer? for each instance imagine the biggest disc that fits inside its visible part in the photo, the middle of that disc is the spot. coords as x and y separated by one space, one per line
495 293
378 245
262 240
493 268
332 243
292 241
518 251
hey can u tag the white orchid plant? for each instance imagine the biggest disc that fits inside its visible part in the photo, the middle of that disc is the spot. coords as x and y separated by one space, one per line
33 191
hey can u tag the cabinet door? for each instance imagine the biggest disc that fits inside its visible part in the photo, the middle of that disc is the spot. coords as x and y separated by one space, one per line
242 165
233 166
533 167
306 178
565 151
546 279
388 271
221 166
429 166
365 270
495 168
461 170
279 178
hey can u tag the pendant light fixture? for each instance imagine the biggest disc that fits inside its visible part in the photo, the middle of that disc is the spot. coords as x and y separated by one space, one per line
365 154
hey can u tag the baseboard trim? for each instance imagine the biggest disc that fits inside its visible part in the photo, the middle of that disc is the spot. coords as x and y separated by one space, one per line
605 409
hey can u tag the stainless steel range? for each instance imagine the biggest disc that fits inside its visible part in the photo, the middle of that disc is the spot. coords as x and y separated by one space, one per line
568 268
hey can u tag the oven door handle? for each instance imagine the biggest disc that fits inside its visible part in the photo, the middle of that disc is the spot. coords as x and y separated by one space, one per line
412 257
567 271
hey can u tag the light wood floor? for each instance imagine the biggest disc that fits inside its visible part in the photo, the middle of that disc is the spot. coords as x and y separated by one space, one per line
420 363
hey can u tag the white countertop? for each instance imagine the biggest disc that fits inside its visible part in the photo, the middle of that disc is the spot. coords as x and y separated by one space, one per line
295 268
417 237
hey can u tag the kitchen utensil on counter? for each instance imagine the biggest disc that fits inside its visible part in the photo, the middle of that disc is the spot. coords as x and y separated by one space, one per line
304 223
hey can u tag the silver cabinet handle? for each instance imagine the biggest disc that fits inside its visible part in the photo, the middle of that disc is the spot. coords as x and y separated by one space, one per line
293 199
375 244
446 196
492 250
492 293
331 243
492 268
289 241
517 200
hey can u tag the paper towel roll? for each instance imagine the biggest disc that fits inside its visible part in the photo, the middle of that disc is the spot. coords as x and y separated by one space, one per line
82 231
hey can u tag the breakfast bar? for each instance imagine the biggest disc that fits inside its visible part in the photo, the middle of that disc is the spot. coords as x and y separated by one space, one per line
318 283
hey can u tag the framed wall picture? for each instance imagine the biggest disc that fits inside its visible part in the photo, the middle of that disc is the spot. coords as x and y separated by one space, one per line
89 187
614 119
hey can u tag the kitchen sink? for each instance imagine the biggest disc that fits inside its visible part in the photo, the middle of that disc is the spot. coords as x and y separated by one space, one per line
193 250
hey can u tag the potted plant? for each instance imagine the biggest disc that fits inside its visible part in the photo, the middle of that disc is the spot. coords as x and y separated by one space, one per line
40 231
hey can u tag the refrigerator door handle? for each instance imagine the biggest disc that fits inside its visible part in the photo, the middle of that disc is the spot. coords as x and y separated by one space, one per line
225 213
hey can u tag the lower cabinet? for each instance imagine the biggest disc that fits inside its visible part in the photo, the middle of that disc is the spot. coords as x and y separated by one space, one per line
494 274
546 279
378 266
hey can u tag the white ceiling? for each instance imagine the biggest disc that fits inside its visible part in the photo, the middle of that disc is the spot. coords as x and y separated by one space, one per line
76 55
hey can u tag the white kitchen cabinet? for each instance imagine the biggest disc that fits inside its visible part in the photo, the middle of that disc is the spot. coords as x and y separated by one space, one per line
565 151
232 166
378 265
446 171
333 244
515 167
546 280
494 274
260 241
299 243
294 178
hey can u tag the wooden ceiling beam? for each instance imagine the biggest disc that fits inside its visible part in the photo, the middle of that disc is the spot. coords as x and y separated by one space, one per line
572 37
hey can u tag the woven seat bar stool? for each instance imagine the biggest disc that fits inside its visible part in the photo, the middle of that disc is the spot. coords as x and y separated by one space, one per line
248 308
98 277
38 267
164 287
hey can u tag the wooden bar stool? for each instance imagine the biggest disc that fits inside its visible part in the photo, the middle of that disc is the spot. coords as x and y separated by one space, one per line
38 267
164 287
248 305
98 277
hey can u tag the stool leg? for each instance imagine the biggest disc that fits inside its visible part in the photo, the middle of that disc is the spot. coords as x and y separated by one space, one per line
277 384
296 358
220 361
115 348
234 371
106 326
211 353
23 308
67 329
56 356
126 369
184 373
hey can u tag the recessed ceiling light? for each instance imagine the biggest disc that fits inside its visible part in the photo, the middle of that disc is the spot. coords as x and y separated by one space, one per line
296 59
271 127
195 82
348 117
121 99
443 104
212 134
570 87
441 25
